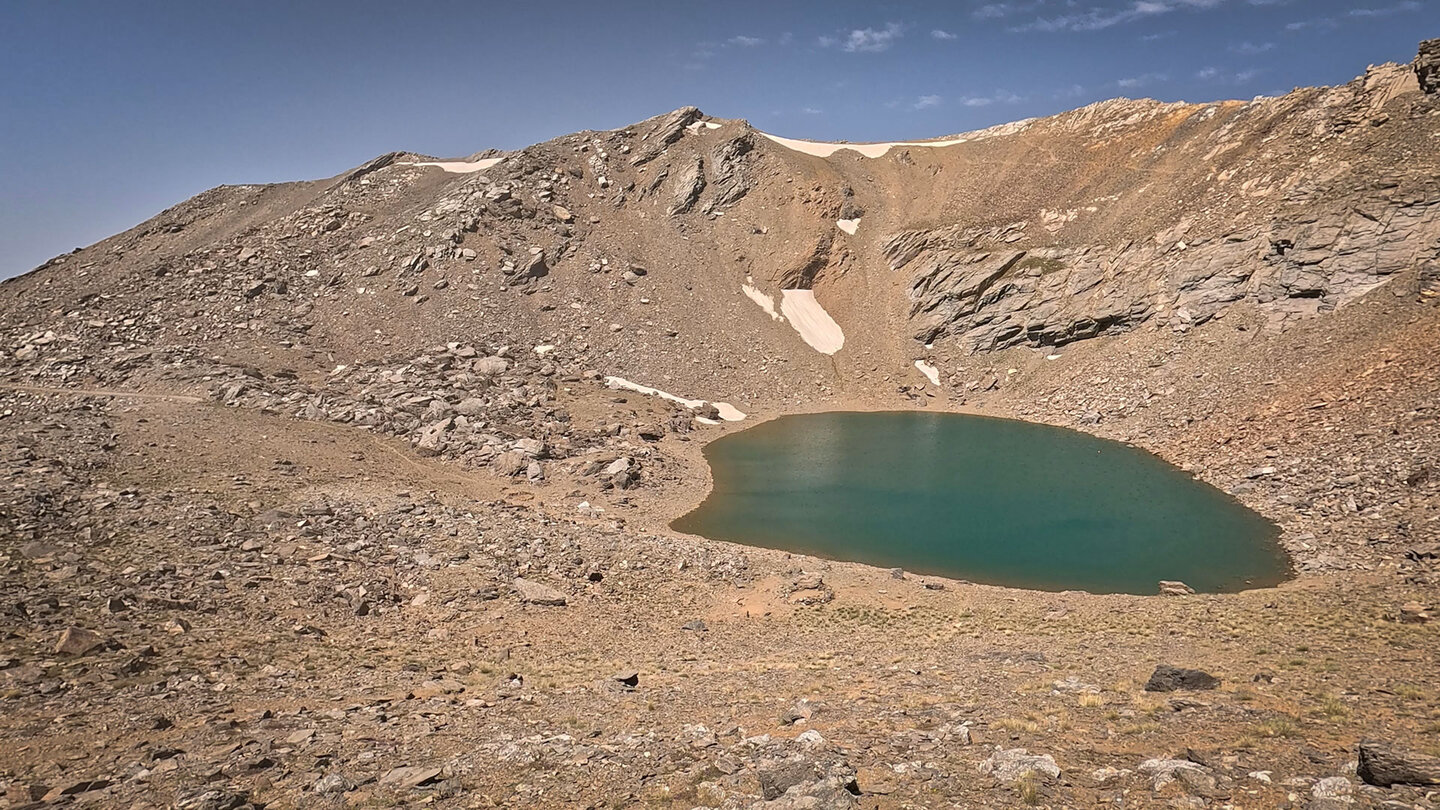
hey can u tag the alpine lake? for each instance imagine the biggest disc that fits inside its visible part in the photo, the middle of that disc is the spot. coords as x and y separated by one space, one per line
988 500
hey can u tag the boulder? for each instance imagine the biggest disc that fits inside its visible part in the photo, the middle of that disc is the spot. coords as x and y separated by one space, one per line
510 464
78 641
1167 678
490 366
1331 793
1012 765
1385 764
432 437
1413 613
1171 587
534 448
1164 771
471 406
410 777
778 776
535 267
536 594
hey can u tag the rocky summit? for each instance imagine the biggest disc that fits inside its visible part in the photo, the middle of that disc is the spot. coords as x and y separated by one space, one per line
356 492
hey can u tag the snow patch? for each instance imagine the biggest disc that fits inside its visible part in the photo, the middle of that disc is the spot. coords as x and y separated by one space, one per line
811 320
459 166
766 302
869 150
849 226
727 411
931 373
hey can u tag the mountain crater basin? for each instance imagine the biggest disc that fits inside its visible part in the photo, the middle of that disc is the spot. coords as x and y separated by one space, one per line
977 498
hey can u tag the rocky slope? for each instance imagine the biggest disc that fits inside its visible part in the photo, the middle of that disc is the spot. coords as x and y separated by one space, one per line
340 493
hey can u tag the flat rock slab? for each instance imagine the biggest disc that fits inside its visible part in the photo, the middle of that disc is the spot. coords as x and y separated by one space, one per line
410 776
536 594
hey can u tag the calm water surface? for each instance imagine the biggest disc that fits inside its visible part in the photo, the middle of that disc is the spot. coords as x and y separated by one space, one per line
989 500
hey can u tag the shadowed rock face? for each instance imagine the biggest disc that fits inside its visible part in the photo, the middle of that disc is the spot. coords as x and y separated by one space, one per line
1427 66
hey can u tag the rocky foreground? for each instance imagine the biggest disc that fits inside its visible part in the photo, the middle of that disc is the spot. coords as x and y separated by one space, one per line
323 494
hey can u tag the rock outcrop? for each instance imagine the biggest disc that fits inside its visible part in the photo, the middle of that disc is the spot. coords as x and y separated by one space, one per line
1427 66
979 287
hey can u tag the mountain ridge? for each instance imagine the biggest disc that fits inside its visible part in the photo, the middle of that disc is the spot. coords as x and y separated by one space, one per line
359 490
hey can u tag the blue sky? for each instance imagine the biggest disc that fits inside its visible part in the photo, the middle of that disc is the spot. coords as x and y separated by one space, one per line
111 111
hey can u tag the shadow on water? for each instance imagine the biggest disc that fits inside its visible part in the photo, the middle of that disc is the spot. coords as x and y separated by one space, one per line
991 500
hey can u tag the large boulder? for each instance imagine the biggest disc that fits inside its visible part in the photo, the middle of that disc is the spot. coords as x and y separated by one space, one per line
1167 678
1384 764
1427 66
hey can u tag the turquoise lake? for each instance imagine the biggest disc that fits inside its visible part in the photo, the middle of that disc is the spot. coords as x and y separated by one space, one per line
988 500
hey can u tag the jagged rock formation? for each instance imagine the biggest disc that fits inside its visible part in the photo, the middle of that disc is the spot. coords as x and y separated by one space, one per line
1305 244
968 284
1427 66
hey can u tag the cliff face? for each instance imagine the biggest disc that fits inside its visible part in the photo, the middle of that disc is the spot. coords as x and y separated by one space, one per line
1297 205
971 286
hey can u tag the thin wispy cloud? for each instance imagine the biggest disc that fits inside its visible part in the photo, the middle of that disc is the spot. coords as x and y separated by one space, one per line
1318 22
743 41
926 102
1221 76
1252 48
1385 11
1143 80
866 40
1361 13
1097 18
942 35
997 11
998 97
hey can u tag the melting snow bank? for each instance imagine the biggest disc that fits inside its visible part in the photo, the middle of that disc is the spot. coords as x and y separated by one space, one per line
460 166
875 150
766 302
931 373
811 320
869 150
849 226
727 411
